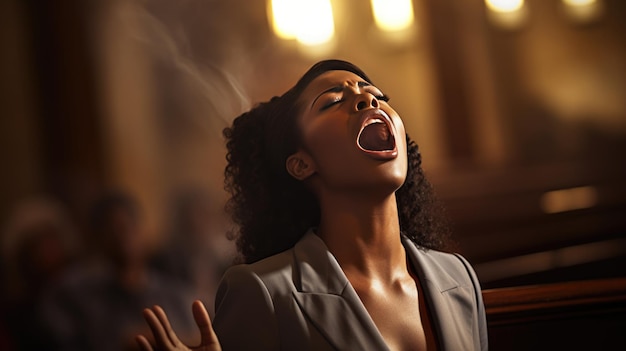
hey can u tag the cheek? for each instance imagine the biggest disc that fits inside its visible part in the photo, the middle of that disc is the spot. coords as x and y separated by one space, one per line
401 164
401 142
328 141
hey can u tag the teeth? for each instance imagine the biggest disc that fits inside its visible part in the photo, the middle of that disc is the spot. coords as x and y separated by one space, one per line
372 121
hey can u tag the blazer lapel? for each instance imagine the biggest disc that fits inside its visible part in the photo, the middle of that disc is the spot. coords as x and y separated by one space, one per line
330 302
447 300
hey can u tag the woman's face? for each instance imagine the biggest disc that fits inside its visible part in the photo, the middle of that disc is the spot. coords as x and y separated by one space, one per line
354 137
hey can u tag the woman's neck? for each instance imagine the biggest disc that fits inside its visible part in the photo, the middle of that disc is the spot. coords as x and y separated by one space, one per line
364 235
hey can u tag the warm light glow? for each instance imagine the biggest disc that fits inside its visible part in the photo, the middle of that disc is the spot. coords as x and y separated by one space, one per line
583 11
569 199
310 22
393 15
316 24
505 5
578 2
507 14
285 18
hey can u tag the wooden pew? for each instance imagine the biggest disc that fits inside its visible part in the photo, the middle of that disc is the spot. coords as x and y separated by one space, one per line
577 315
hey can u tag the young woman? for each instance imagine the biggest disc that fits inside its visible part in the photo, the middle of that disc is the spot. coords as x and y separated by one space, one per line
337 231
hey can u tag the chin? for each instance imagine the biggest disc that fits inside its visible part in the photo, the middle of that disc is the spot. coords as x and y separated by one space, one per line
396 170
393 180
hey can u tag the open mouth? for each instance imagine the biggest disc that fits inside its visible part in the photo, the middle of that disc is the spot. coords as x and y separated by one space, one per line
376 137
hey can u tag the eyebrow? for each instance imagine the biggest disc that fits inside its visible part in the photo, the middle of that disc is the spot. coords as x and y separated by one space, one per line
339 88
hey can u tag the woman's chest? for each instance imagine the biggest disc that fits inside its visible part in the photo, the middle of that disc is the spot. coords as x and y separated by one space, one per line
401 318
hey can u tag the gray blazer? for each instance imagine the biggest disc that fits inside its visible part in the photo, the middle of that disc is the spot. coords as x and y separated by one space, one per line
300 299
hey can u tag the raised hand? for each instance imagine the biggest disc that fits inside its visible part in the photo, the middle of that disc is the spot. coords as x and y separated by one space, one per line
165 337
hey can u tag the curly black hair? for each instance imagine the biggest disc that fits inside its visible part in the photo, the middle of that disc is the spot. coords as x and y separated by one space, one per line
272 209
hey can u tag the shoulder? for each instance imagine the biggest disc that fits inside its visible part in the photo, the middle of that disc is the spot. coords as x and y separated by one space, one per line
253 289
246 301
439 263
269 274
265 268
454 262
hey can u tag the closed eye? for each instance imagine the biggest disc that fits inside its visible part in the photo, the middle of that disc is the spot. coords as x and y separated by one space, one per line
383 97
330 104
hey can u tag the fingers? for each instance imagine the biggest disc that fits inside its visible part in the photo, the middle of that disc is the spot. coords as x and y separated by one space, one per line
159 324
166 338
207 334
160 337
160 313
143 343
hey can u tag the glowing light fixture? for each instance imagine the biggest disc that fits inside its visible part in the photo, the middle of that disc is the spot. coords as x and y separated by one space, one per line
583 11
569 199
578 2
310 22
509 14
393 15
316 23
285 18
505 5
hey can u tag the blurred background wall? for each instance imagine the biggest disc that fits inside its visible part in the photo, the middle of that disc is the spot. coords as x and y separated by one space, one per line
520 115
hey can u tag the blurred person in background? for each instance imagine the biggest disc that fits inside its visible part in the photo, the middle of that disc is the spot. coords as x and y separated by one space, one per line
95 308
195 251
39 243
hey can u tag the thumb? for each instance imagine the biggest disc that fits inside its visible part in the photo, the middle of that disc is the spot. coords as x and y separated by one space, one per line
207 335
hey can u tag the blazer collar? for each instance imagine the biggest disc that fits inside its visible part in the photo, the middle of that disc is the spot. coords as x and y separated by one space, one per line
445 297
437 277
327 298
319 270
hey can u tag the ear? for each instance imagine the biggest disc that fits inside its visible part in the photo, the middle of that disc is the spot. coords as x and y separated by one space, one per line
300 165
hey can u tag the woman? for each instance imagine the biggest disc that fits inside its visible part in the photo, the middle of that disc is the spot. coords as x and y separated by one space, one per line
337 231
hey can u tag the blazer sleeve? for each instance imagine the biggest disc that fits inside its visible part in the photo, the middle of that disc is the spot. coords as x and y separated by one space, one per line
481 316
244 312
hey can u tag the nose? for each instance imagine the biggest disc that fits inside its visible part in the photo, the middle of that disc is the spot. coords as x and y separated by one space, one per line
365 100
